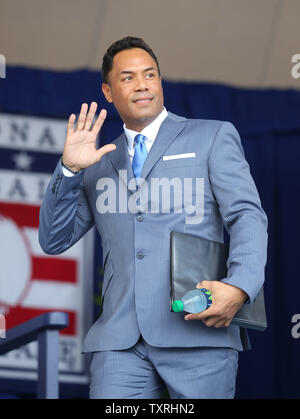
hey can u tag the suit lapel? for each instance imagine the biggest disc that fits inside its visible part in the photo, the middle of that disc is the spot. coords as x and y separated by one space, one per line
121 161
169 130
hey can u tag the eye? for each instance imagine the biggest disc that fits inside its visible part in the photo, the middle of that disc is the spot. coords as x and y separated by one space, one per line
150 75
127 78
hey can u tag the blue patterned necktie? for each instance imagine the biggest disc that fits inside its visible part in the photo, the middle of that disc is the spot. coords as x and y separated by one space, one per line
140 154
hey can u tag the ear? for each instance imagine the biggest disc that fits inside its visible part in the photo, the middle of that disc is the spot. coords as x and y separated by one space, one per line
107 92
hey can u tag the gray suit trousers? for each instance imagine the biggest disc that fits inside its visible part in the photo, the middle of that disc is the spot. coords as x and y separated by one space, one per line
144 371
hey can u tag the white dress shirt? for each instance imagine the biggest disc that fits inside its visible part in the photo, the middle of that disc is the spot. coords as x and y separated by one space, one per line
150 132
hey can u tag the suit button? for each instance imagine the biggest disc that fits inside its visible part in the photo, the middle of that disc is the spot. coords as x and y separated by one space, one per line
139 218
139 255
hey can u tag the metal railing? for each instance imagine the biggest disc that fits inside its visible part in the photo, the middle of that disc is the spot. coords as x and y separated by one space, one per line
45 329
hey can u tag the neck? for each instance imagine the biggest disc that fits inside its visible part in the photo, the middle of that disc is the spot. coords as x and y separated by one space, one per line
139 125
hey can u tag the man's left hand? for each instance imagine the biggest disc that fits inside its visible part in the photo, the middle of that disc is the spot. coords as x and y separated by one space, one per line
226 301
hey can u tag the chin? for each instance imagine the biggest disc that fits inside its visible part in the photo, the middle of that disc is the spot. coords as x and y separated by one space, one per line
141 116
146 113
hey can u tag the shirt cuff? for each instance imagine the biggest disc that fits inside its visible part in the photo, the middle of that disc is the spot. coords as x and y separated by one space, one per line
67 172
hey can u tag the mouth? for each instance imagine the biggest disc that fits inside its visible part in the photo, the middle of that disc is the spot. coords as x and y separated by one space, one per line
145 100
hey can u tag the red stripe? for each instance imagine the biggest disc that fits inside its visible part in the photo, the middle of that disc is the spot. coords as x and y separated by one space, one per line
18 315
23 215
54 269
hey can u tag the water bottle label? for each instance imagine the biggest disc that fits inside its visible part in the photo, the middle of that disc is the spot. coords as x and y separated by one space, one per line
208 296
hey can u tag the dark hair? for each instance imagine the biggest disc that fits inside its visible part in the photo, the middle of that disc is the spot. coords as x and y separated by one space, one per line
125 43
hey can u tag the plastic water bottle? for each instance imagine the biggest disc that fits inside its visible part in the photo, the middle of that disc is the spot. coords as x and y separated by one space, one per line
193 301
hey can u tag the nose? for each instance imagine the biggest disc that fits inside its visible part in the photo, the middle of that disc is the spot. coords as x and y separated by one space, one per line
141 84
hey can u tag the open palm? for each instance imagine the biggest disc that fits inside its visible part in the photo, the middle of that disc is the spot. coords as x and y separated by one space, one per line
80 149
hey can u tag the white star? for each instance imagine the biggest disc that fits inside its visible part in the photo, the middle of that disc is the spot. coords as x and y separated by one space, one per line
22 161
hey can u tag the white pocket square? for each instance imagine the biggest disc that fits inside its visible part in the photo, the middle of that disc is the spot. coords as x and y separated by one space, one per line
179 156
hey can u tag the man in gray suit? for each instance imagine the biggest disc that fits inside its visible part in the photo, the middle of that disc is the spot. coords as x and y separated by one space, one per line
164 173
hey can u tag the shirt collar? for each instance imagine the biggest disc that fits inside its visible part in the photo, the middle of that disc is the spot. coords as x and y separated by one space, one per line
150 131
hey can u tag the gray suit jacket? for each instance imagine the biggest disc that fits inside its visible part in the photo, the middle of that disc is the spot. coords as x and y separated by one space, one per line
205 180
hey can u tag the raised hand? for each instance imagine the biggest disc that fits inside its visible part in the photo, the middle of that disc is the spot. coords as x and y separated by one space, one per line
80 147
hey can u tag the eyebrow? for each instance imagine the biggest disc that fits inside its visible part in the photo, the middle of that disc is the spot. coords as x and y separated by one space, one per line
131 72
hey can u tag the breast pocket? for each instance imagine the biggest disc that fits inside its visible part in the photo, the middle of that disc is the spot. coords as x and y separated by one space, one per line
179 163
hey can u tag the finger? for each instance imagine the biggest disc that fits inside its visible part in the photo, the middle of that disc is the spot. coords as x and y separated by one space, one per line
218 324
98 124
70 129
212 321
204 284
205 314
82 116
104 150
224 322
90 116
208 321
217 321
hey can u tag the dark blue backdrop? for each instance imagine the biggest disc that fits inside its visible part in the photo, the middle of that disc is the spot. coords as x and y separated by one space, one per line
269 125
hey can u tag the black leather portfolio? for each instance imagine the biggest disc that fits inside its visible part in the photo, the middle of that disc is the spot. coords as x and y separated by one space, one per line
194 259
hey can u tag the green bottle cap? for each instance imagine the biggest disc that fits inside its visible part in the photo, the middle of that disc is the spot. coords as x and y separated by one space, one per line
177 306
